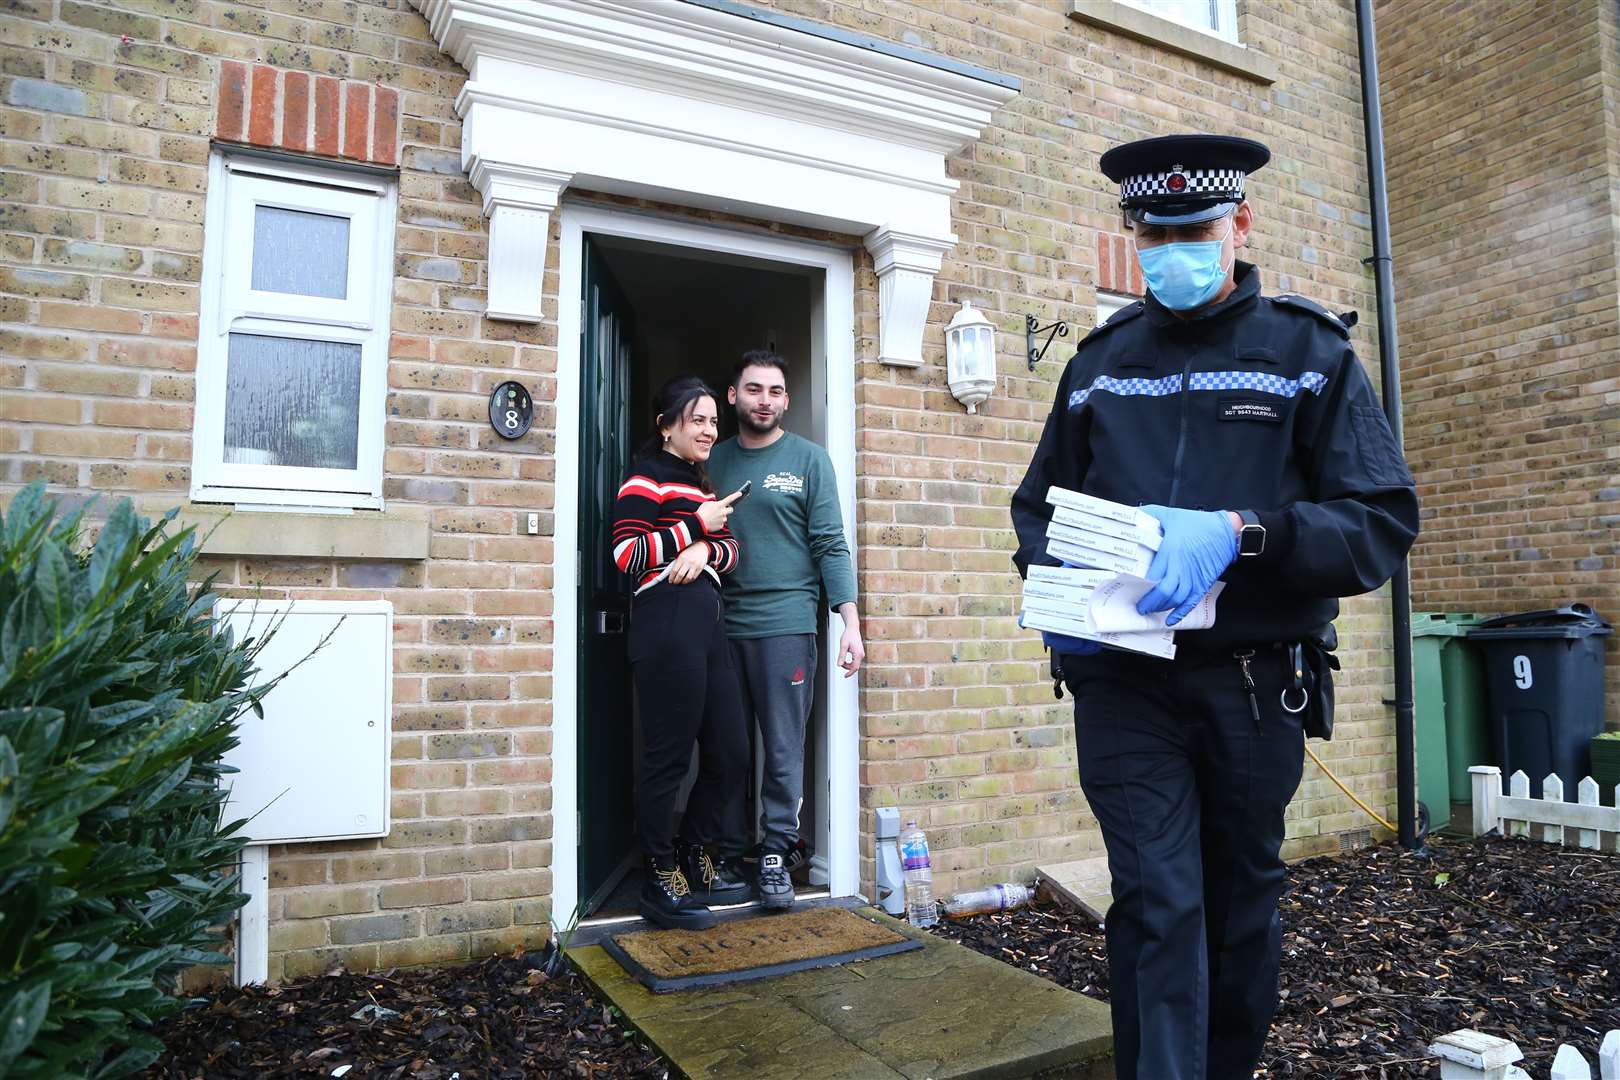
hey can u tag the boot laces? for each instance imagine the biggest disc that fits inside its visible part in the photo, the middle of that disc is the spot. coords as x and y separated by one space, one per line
706 866
673 881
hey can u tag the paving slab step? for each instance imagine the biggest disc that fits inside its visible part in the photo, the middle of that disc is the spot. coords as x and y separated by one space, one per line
942 1012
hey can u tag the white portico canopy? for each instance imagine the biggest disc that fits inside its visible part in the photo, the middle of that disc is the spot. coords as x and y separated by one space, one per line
712 104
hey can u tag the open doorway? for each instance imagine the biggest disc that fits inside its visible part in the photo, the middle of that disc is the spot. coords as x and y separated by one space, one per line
651 310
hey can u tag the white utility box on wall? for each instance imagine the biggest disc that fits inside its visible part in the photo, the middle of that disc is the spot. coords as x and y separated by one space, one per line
316 765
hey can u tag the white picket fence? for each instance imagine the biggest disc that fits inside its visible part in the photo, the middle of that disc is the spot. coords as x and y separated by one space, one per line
1473 1055
1584 823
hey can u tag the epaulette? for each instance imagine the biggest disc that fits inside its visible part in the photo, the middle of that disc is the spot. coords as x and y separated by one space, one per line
1123 315
1342 325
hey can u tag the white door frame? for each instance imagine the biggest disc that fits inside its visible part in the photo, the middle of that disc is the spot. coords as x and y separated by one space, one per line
837 333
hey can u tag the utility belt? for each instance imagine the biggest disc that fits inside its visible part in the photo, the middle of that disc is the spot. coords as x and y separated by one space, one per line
1307 691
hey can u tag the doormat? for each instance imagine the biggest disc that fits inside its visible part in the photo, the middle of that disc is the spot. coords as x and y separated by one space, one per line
665 960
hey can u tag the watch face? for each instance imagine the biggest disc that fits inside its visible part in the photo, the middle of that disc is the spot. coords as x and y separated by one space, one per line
1252 540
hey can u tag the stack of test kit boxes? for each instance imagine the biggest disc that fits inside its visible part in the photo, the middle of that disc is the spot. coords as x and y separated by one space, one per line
1101 541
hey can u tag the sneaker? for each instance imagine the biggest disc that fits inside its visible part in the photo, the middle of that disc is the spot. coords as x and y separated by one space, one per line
775 887
667 900
713 881
794 858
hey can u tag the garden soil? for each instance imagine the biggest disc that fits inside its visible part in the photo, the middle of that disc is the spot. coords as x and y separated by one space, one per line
1383 951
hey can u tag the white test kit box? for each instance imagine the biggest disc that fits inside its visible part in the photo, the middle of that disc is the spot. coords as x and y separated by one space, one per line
1101 515
1160 643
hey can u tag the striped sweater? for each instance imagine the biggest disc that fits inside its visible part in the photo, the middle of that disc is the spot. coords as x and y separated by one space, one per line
655 518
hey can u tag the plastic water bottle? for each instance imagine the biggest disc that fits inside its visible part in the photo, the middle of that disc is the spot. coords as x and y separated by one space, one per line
919 877
991 898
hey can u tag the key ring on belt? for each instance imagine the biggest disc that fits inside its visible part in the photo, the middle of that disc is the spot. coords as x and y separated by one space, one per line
1296 656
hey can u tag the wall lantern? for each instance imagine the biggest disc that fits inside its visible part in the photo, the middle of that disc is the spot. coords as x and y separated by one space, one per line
970 357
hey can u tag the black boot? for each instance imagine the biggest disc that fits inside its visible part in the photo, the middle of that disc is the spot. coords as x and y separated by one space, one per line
667 900
713 881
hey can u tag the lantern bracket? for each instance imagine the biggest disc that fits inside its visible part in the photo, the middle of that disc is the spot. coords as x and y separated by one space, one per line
1032 328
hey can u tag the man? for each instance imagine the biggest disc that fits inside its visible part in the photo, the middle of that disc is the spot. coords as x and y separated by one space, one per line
792 537
1246 426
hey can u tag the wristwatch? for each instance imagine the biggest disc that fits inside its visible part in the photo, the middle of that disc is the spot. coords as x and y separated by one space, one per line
1252 537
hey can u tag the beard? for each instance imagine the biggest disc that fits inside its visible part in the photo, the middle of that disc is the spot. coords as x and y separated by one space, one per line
749 422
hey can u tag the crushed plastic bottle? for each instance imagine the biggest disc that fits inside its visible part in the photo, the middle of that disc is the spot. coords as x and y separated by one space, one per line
920 907
1003 897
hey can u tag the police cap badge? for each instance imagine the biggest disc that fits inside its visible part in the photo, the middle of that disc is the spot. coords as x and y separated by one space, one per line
1182 179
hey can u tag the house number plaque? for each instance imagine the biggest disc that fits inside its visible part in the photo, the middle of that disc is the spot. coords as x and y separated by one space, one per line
511 410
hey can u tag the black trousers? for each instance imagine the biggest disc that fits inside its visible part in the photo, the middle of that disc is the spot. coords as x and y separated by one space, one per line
1190 791
686 685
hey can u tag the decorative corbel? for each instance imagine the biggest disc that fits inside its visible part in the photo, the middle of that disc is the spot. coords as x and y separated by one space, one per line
519 201
906 264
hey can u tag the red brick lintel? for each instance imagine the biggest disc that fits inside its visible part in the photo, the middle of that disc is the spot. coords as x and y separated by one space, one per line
312 114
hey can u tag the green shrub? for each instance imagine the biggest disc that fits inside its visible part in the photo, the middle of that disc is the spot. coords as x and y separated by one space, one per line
117 702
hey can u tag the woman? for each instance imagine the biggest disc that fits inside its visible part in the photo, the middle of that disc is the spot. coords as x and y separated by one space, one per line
670 537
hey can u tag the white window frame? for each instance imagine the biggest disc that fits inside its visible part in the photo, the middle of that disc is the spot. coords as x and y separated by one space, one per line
1223 25
1108 303
237 183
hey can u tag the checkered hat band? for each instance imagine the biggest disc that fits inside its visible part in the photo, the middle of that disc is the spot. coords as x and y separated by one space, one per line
1199 182
1263 382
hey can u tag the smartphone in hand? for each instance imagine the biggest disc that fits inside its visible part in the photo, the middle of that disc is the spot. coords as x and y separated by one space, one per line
742 492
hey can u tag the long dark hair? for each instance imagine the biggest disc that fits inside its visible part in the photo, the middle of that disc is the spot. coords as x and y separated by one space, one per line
670 405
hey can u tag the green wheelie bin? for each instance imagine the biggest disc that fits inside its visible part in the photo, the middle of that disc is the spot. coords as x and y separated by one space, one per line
1448 684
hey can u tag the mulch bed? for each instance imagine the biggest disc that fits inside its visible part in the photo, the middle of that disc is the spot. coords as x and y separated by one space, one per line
1384 951
500 1019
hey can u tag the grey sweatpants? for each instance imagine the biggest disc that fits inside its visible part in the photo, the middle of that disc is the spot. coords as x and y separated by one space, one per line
778 677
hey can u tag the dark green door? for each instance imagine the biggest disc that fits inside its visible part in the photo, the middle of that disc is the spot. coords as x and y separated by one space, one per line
606 736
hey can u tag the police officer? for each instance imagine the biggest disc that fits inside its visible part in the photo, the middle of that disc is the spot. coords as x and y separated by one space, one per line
1246 426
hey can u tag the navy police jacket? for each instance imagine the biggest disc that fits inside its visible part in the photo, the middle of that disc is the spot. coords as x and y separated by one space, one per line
1255 403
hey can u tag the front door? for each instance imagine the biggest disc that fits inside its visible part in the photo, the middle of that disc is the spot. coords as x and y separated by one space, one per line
606 733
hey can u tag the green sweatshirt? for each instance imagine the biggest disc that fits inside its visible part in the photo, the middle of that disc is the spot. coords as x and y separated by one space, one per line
791 535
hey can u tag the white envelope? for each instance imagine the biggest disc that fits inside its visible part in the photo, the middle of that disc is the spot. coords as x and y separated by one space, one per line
1112 607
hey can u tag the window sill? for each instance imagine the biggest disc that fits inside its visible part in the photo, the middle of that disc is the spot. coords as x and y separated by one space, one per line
365 534
1139 24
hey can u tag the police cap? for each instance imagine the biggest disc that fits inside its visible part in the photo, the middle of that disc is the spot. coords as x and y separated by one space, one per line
1182 179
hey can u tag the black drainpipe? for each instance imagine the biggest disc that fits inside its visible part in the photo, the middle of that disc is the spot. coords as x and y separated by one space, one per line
1390 367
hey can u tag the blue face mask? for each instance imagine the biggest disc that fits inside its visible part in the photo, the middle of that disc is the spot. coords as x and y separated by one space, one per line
1185 275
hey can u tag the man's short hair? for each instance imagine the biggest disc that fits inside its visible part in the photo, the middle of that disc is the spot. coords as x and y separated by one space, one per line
758 358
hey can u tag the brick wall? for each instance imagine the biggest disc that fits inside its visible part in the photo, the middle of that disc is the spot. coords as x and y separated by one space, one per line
1503 164
957 717
306 113
105 118
1117 269
1609 31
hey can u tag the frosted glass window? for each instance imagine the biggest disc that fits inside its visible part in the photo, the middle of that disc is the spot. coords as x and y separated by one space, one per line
295 251
292 354
291 401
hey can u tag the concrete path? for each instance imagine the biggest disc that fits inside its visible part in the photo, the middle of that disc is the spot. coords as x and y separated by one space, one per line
939 1012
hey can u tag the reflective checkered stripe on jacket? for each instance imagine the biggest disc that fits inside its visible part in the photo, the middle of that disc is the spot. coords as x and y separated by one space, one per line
1257 381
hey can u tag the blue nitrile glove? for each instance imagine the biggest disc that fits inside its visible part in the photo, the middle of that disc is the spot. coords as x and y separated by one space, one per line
1063 645
1198 547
